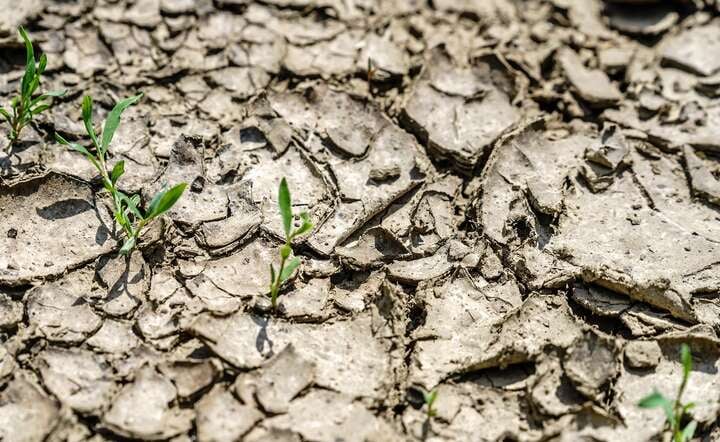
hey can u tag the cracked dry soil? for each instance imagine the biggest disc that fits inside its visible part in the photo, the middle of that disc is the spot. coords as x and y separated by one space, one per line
517 203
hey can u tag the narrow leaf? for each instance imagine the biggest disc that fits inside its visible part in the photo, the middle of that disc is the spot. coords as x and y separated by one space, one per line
5 114
73 146
29 62
686 358
163 201
285 204
655 400
289 268
113 120
87 107
39 109
45 96
272 274
117 171
128 246
689 431
42 64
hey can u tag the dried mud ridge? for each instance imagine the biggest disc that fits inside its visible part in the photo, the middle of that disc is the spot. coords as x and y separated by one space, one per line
520 209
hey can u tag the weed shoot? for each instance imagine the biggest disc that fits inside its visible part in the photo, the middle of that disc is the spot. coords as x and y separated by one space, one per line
286 267
128 214
24 107
675 411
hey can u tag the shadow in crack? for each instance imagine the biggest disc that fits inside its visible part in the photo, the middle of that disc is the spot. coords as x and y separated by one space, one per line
65 209
262 337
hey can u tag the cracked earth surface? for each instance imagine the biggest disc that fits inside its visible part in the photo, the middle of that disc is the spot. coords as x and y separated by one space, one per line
517 203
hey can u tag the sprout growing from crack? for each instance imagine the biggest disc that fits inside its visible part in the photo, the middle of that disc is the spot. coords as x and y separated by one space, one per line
286 267
675 411
24 107
429 397
127 211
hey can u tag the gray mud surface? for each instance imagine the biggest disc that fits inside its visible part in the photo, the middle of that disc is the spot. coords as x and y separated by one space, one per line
517 203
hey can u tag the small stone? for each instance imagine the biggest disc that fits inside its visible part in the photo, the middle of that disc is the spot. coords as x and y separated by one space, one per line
642 354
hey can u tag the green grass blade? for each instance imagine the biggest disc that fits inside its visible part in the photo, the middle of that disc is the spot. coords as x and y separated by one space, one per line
689 431
5 114
42 64
39 109
87 107
164 200
113 120
285 205
29 62
289 269
655 400
306 225
117 171
686 358
128 246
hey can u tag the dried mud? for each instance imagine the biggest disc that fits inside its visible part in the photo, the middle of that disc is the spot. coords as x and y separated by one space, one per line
517 203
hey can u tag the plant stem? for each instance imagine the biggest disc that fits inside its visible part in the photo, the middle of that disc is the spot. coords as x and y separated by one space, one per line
275 288
678 408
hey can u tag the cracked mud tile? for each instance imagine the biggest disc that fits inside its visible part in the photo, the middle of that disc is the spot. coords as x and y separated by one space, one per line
80 379
27 414
359 366
688 49
461 111
58 311
518 336
703 176
34 211
343 418
222 418
280 381
126 280
143 409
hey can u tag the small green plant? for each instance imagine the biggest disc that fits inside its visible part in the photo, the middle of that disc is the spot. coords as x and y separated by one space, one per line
127 211
24 107
429 397
675 411
286 267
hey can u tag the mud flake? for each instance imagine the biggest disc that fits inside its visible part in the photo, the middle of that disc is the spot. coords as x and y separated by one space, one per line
307 302
114 337
702 180
592 85
39 208
190 376
689 49
642 354
286 375
142 410
127 280
26 413
461 111
60 314
591 362
222 418
348 357
343 418
78 378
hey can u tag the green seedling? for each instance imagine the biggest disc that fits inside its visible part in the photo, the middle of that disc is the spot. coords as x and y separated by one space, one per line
675 411
286 267
128 214
429 397
24 107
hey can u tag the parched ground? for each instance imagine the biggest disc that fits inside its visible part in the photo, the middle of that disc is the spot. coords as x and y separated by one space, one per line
517 204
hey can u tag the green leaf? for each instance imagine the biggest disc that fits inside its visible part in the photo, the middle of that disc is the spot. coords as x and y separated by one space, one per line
164 200
689 431
289 268
686 358
87 107
29 62
39 109
430 397
306 225
5 114
117 171
285 204
73 146
113 120
655 400
42 64
45 96
128 246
